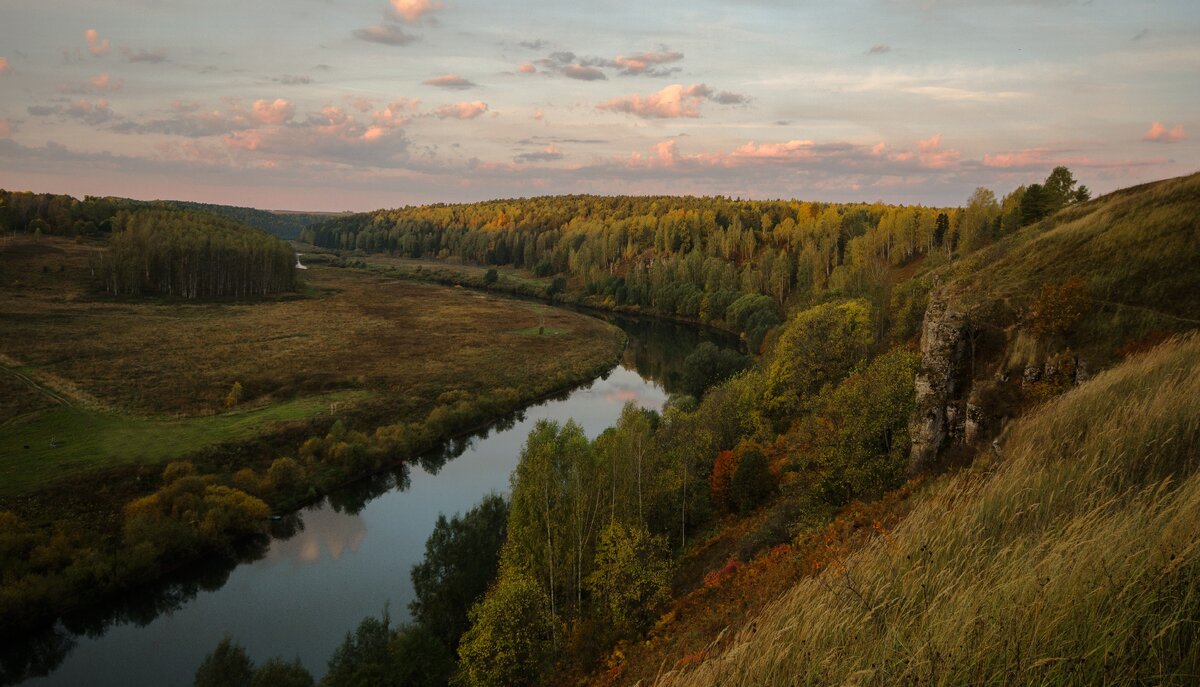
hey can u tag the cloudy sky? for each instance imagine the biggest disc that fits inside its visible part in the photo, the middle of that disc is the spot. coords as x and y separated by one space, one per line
359 104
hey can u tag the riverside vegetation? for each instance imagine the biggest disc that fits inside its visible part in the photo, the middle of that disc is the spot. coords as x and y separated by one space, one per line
118 467
873 500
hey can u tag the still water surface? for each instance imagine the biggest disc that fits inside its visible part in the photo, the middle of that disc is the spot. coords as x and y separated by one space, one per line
346 557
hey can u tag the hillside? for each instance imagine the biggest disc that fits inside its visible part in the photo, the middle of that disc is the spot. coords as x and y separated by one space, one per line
285 225
1014 344
1067 556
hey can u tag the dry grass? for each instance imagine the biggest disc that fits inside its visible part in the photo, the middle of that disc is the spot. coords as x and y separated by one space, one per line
388 347
1072 560
1135 250
367 332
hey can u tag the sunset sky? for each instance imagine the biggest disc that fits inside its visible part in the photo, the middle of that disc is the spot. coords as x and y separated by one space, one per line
360 104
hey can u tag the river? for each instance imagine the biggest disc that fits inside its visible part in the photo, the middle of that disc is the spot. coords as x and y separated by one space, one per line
334 563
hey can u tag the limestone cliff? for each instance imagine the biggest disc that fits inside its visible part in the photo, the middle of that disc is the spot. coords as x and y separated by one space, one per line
941 411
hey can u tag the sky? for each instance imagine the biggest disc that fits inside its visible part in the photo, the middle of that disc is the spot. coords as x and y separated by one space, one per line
363 104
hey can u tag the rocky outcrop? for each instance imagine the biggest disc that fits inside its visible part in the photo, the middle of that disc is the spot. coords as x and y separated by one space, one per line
940 413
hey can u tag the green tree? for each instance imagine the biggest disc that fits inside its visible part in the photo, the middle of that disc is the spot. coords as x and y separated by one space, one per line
511 640
227 666
975 229
708 365
419 658
632 577
860 429
1059 189
752 481
363 659
816 347
462 556
1034 204
545 507
279 673
491 276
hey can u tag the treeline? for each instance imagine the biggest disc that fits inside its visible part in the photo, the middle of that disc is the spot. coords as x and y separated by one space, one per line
739 264
194 255
63 215
285 225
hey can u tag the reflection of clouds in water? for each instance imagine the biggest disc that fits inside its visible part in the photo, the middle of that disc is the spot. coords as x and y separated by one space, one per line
621 394
324 529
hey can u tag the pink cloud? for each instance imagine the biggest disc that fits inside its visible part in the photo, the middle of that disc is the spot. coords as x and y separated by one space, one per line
5 128
361 103
539 114
451 81
878 148
463 110
276 112
102 83
930 144
791 150
1159 133
642 62
1031 157
527 68
932 156
671 102
411 11
4 65
244 140
397 113
95 46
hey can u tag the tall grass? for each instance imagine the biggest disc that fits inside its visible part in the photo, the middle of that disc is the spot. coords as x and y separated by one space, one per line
1072 559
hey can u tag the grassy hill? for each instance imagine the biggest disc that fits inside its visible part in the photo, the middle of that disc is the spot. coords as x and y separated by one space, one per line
1063 553
1069 557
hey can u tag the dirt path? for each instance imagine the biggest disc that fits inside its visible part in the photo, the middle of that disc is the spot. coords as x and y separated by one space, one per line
28 381
54 388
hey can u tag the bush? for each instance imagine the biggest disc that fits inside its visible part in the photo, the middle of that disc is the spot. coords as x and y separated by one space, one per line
752 481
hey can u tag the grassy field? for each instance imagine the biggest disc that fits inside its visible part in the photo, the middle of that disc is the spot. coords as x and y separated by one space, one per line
88 381
65 441
1070 558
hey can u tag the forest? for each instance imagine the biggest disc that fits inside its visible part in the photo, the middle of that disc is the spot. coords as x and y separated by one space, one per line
193 255
63 215
739 264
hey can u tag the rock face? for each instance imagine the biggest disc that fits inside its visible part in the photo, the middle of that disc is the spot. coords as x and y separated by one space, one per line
939 413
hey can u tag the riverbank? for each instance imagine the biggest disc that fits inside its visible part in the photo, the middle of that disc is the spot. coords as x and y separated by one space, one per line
513 282
90 436
348 554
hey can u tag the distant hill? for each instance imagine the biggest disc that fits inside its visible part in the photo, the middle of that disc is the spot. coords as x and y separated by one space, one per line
282 223
62 214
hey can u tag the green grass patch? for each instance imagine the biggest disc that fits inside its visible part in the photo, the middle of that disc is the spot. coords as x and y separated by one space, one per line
51 444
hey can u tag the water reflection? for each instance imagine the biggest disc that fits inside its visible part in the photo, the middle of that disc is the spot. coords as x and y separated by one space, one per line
325 533
328 566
